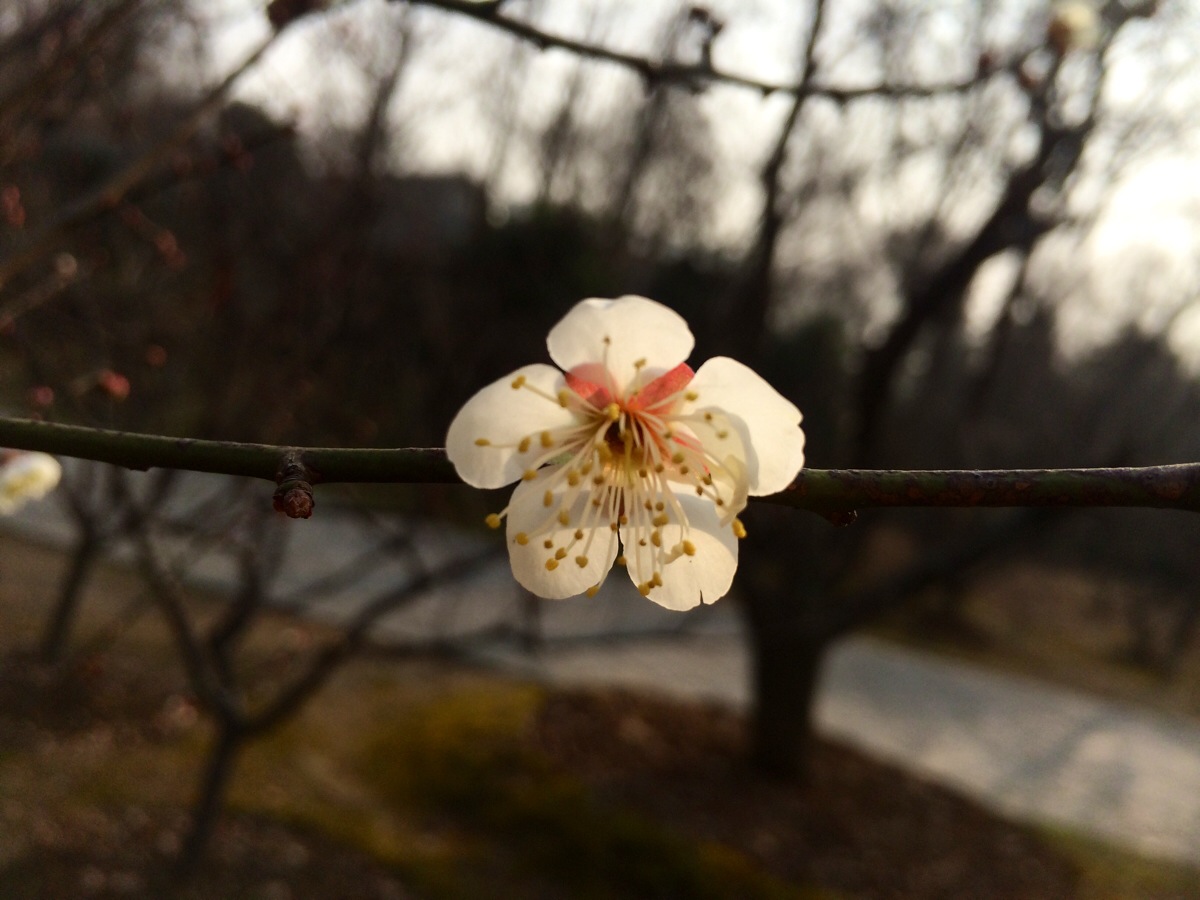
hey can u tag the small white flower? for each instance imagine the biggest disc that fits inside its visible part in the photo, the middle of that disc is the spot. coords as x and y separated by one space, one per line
627 445
25 477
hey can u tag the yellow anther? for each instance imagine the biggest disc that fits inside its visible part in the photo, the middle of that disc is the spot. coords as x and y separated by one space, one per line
493 520
683 470
522 538
573 478
660 520
529 475
560 553
677 457
564 517
708 417
612 526
597 502
699 491
644 588
593 590
722 434
739 530
620 560
656 538
640 364
668 434
518 382
523 447
707 479
656 580
579 534
551 564
648 505
691 396
720 502
547 440
623 519
548 498
660 468
564 398
643 473
482 442
607 340
597 478
660 506
581 561
688 548
613 411
548 544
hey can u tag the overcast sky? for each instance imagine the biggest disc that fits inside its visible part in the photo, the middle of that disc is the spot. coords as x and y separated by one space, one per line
1145 246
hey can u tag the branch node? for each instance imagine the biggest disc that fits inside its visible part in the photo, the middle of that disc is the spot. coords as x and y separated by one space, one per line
840 518
294 490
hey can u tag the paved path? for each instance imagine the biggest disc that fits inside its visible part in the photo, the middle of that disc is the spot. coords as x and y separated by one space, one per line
1023 747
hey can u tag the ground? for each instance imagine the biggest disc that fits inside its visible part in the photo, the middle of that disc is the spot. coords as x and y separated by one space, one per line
420 780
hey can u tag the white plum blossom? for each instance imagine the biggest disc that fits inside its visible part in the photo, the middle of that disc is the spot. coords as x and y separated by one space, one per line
25 477
627 455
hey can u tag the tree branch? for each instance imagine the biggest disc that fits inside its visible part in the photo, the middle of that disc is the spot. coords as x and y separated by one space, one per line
692 75
833 493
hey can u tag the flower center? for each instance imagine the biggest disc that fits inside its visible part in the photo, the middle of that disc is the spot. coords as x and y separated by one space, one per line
619 466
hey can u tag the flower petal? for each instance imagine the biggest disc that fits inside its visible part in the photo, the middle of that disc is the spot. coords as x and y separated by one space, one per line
688 580
501 415
586 559
769 423
636 328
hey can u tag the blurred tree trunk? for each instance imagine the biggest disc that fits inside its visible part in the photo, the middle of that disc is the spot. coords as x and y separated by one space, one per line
785 677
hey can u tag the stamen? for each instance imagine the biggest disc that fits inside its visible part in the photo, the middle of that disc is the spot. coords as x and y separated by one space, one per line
551 565
482 442
518 382
547 440
529 475
493 520
521 538
739 530
523 447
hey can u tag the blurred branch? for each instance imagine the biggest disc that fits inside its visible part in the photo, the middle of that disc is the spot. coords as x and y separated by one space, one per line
834 493
109 194
692 75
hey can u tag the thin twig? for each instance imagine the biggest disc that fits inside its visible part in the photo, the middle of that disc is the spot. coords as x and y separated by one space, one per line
691 75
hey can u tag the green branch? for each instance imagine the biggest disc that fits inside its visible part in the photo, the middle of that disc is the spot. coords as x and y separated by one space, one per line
835 493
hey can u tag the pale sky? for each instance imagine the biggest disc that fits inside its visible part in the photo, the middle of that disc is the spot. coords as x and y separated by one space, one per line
1140 260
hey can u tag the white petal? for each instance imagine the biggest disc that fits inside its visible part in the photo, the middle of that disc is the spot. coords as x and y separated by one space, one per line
29 476
528 514
502 416
689 580
768 422
721 438
638 329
